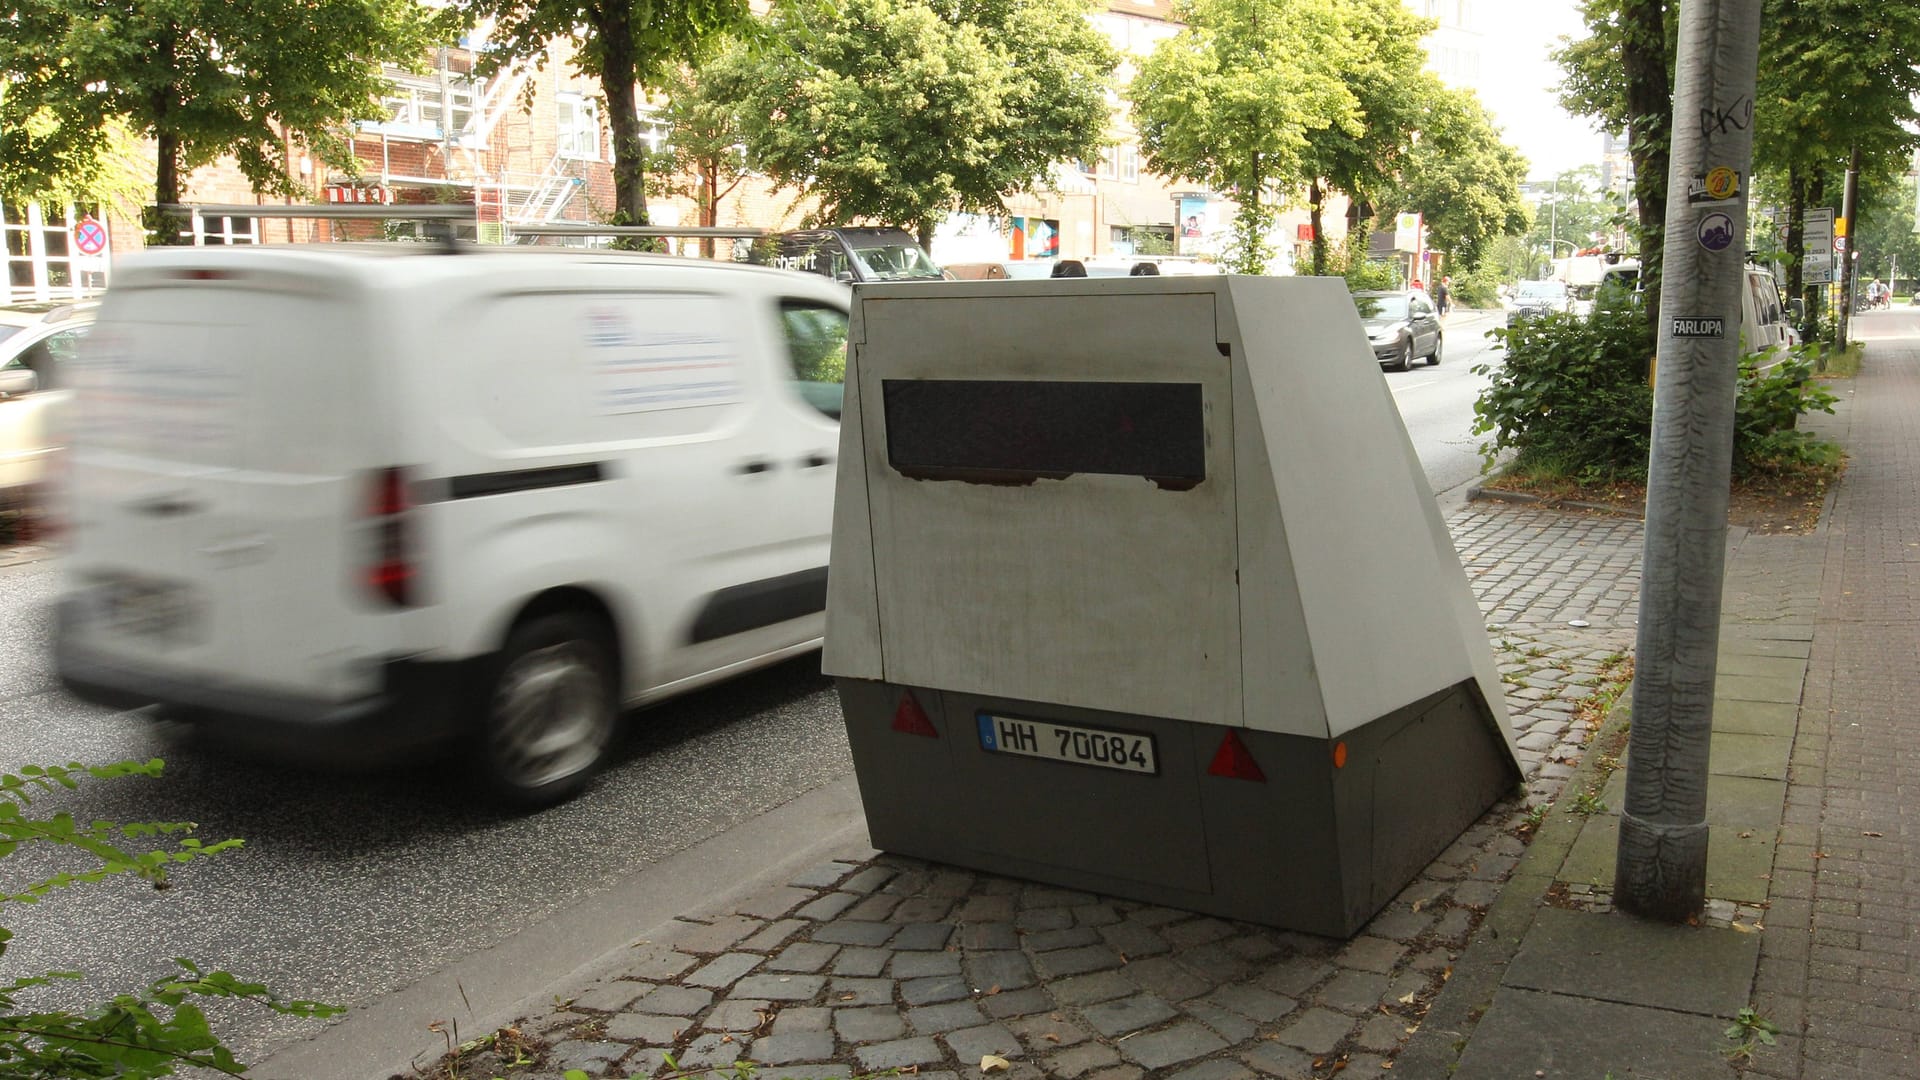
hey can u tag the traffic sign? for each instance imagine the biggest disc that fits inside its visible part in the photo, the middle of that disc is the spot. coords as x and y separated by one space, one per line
89 236
1816 245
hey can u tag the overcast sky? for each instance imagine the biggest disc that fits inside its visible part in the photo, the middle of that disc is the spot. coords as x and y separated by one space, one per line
1518 81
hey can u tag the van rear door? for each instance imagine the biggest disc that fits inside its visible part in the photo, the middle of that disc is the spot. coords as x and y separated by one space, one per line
226 433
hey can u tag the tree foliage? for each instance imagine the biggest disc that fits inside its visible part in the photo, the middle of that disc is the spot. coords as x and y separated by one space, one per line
1235 100
1622 74
1392 95
625 44
902 111
149 1033
1463 179
201 78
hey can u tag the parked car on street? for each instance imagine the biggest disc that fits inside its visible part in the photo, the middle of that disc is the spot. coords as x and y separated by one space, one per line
1401 326
351 504
36 346
1535 298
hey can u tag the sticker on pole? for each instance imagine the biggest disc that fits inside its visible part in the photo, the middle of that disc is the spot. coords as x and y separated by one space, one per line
1716 232
1716 185
89 236
1699 326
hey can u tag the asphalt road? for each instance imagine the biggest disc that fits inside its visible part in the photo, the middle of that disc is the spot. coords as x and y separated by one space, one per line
1436 401
351 887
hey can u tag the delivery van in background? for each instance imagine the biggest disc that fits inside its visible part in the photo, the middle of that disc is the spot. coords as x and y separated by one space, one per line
352 503
1763 319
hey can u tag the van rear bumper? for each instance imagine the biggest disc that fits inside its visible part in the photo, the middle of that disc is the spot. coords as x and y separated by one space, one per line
417 711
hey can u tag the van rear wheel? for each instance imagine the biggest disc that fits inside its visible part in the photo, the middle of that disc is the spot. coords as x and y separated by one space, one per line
548 716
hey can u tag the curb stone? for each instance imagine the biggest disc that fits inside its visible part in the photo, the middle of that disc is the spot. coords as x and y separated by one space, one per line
1434 1050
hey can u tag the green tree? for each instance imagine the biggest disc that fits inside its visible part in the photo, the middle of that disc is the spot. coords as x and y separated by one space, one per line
901 111
1233 100
200 78
1834 81
627 46
1622 74
707 159
1884 234
1462 178
1393 96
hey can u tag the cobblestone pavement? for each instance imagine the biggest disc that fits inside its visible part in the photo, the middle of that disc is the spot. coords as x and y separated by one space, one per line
879 962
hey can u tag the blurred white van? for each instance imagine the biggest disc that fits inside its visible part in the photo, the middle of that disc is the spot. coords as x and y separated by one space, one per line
358 502
1763 319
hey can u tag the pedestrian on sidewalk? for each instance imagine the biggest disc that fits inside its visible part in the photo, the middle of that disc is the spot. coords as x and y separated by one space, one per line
1443 295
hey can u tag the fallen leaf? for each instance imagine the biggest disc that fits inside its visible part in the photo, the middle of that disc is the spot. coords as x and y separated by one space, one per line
1418 904
993 990
1872 834
1407 999
848 996
994 1063
1386 1064
1051 1037
1742 928
1446 974
1746 834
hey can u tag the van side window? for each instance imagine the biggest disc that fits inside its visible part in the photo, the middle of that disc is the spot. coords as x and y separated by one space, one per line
817 349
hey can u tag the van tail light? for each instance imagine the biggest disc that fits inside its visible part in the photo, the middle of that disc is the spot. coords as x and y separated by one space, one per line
390 570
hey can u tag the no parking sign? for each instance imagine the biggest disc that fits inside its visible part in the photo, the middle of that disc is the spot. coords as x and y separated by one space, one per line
89 236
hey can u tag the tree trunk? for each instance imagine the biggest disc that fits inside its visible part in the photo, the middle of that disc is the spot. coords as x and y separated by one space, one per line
617 67
1797 244
165 226
709 200
923 232
1316 199
1649 131
1660 871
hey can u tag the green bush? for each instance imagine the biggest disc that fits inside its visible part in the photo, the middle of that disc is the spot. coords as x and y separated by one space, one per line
1571 398
1476 289
1770 406
149 1033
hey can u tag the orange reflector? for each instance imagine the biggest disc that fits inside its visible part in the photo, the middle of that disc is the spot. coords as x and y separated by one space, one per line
1339 755
1234 761
912 719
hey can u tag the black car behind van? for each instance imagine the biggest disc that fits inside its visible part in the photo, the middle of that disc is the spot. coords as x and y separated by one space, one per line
848 254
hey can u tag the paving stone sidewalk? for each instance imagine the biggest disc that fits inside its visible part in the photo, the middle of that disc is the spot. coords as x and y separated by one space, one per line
875 962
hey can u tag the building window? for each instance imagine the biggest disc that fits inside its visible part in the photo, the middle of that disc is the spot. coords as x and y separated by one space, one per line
654 132
421 108
223 230
43 262
578 131
1129 161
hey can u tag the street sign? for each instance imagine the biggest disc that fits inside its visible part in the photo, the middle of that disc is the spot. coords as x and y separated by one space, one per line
1816 245
89 236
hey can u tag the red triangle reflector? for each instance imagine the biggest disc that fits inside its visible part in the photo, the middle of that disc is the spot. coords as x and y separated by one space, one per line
1234 761
912 719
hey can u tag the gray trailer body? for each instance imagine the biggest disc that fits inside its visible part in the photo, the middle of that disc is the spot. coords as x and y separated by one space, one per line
1137 586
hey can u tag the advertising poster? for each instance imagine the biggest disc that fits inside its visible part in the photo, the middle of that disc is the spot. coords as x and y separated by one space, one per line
1035 238
1194 219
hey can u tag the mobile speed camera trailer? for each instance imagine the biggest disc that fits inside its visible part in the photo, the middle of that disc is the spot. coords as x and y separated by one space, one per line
1137 587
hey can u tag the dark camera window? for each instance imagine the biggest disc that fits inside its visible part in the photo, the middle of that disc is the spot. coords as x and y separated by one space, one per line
1009 432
